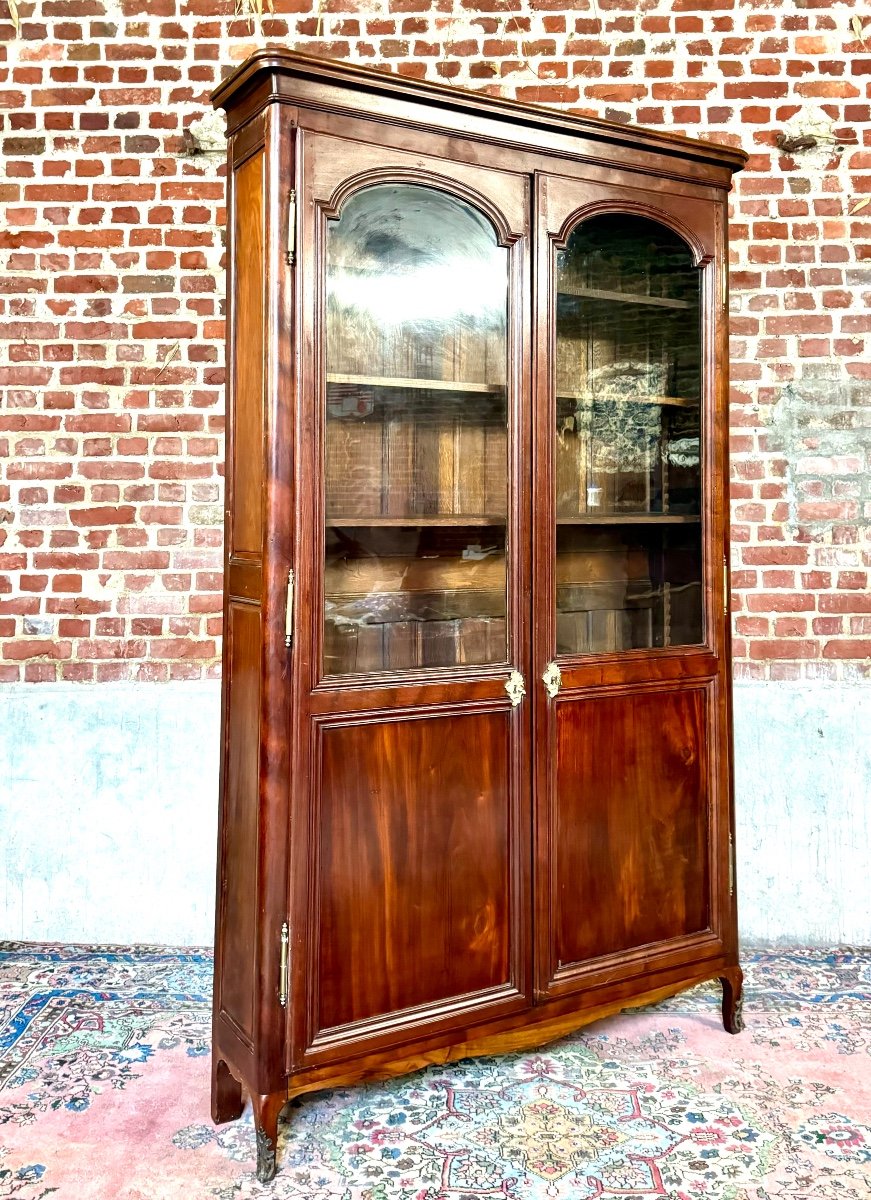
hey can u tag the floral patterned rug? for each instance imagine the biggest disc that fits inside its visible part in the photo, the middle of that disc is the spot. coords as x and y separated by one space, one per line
105 1094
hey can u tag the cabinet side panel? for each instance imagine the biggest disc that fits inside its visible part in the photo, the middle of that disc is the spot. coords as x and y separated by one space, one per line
632 803
246 523
240 833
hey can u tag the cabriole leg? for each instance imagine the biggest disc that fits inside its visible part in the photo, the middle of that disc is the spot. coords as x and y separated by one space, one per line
266 1110
227 1102
733 999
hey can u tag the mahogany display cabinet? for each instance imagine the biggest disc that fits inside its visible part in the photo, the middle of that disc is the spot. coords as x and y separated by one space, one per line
476 766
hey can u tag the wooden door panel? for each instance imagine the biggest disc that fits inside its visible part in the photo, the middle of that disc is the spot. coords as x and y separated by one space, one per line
248 358
414 865
236 976
631 765
411 824
630 823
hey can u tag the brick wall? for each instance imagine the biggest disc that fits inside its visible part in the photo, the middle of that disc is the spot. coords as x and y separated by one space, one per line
111 288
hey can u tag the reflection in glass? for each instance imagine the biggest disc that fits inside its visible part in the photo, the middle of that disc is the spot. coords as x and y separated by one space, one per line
627 454
415 442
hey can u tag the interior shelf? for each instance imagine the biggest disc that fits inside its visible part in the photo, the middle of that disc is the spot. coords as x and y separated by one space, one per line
415 520
625 298
461 520
632 519
657 401
437 385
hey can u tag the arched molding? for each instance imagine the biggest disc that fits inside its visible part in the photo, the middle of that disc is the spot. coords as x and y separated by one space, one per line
355 184
701 256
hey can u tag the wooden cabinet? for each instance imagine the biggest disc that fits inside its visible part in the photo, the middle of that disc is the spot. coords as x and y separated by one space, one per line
476 756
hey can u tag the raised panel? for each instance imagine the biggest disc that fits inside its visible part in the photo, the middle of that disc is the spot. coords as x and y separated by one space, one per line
249 348
630 822
414 865
240 816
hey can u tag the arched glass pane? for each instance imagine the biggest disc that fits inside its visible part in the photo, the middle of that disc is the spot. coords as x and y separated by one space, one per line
628 460
415 434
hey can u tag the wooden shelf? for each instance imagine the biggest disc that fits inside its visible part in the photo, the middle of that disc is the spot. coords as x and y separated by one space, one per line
626 298
430 521
429 385
659 401
631 519
461 520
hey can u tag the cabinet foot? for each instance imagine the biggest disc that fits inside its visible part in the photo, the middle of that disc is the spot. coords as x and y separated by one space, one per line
227 1101
265 1157
266 1110
733 999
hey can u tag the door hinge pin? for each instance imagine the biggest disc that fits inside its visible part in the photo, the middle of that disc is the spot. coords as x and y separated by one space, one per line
291 229
725 587
282 972
731 866
288 611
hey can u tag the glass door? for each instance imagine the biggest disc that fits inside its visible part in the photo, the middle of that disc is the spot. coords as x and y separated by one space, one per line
411 842
628 438
416 434
624 628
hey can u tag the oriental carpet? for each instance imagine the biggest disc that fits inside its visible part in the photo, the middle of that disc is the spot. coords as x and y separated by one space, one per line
104 1094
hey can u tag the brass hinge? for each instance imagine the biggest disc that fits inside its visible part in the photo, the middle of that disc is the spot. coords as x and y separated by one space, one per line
731 865
725 586
288 612
282 971
291 229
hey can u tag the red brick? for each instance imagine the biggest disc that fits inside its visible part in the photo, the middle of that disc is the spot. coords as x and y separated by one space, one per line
784 648
775 556
752 626
827 510
790 627
88 517
681 91
181 648
66 583
852 602
827 625
780 602
33 648
858 648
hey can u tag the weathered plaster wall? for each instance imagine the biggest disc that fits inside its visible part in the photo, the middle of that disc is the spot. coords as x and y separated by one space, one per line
108 812
107 821
802 786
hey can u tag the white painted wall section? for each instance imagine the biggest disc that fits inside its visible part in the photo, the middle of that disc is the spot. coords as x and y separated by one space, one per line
108 812
803 812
